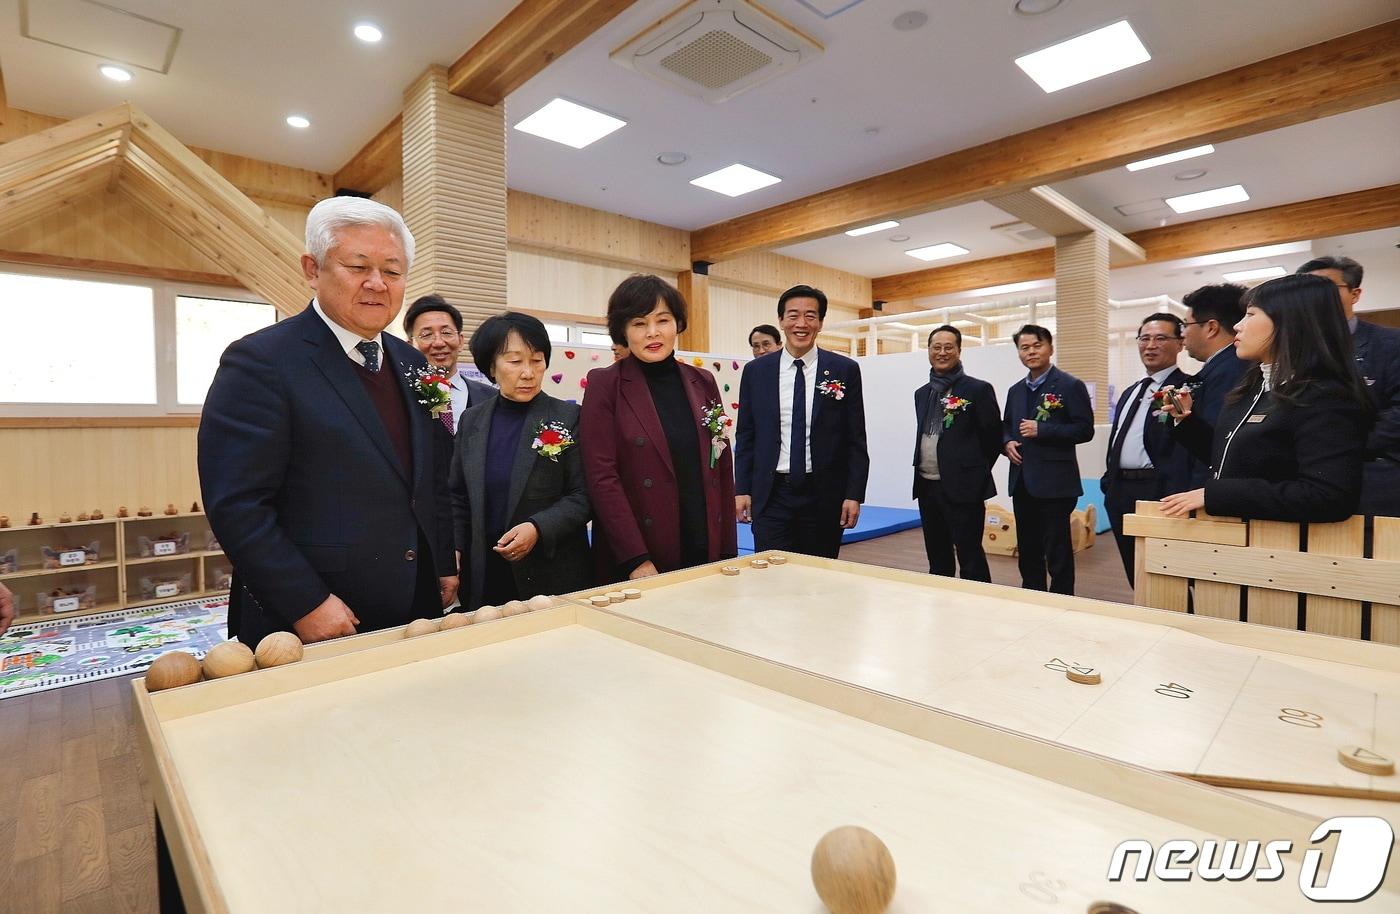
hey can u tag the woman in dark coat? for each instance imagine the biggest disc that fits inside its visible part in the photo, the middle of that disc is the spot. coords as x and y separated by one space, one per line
1289 441
656 451
519 507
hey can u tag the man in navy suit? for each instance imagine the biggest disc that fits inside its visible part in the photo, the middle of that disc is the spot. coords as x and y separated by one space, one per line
323 477
1377 351
957 438
1047 413
800 463
435 327
1144 460
1209 337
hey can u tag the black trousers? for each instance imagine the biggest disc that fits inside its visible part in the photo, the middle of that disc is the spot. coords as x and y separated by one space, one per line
952 527
1043 542
798 519
1120 499
1380 488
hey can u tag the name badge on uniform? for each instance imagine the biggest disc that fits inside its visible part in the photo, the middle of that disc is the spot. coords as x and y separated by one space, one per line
1256 419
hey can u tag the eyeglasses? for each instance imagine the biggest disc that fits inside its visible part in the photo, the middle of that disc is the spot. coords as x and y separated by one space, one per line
1159 339
447 336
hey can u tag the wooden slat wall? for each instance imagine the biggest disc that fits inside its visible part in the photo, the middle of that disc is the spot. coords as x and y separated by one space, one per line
77 469
546 281
543 224
1081 315
1326 614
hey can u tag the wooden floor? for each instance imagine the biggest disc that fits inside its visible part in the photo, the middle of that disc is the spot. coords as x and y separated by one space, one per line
76 833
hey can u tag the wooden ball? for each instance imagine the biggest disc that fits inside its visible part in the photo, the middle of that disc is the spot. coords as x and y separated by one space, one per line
276 649
171 671
420 627
456 620
228 659
488 613
540 601
853 871
514 608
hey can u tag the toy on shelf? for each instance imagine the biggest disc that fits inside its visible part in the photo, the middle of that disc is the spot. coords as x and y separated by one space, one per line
68 599
144 512
171 510
4 521
122 512
65 518
160 587
221 578
69 556
84 516
35 520
169 544
211 542
9 561
194 508
96 514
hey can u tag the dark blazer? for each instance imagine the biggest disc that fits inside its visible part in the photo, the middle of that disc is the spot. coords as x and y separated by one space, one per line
1048 464
303 488
1212 383
477 392
549 493
1172 460
631 481
1378 358
840 463
1293 462
967 448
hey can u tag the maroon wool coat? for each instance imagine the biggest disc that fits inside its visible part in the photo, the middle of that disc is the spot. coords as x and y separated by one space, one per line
631 482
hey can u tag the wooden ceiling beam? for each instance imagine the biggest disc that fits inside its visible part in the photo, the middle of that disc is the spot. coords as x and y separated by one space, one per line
1361 211
528 39
377 164
1342 74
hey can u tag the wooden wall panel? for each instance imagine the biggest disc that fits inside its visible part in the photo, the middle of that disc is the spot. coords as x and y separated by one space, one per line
77 469
1081 338
547 281
774 273
553 225
735 310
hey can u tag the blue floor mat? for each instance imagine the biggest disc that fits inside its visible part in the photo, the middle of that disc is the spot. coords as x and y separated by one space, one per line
874 521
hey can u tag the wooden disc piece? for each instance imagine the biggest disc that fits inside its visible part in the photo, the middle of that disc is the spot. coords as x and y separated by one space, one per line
456 620
600 600
730 570
632 593
853 871
777 560
759 563
421 627
539 601
228 659
487 613
277 649
616 596
171 671
1359 758
1087 677
514 608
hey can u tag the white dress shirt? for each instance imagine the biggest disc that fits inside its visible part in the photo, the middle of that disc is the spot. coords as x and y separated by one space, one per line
1134 456
349 339
786 374
459 396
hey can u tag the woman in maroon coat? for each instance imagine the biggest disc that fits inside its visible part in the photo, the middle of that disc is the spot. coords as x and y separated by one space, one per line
661 483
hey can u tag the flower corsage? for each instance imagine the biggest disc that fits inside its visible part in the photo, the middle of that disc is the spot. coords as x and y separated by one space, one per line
1048 403
552 439
431 388
716 422
834 389
951 407
1159 401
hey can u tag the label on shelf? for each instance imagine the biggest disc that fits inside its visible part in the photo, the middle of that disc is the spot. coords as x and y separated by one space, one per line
166 548
72 557
168 589
65 604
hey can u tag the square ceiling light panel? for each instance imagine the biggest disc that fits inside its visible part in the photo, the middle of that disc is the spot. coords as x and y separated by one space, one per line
1208 199
735 180
1101 52
102 31
572 124
1256 275
938 251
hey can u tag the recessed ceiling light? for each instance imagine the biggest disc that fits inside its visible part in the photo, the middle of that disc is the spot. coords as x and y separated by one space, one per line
1191 153
1101 52
297 121
1243 254
116 74
1034 7
368 33
569 123
1190 175
1221 196
867 229
908 22
1250 275
938 251
899 239
735 180
673 158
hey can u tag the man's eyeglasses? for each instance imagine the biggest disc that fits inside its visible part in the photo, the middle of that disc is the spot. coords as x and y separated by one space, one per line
447 336
1159 339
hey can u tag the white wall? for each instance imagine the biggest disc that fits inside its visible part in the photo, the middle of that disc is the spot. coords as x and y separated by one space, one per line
889 382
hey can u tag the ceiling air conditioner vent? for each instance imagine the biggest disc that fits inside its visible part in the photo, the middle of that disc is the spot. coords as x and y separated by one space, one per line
1021 232
715 49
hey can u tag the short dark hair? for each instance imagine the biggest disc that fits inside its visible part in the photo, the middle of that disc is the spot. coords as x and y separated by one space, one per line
803 292
1034 330
946 328
428 303
1220 303
1351 270
766 330
1177 324
490 339
636 296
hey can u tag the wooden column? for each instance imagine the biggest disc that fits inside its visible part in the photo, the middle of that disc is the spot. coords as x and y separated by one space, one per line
1081 311
454 197
695 289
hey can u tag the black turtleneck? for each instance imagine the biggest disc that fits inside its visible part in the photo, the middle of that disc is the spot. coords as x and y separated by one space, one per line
507 424
682 429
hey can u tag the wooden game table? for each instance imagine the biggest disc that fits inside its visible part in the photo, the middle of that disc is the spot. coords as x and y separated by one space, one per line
685 750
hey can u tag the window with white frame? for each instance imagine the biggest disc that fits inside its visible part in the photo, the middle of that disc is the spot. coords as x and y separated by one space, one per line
203 329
